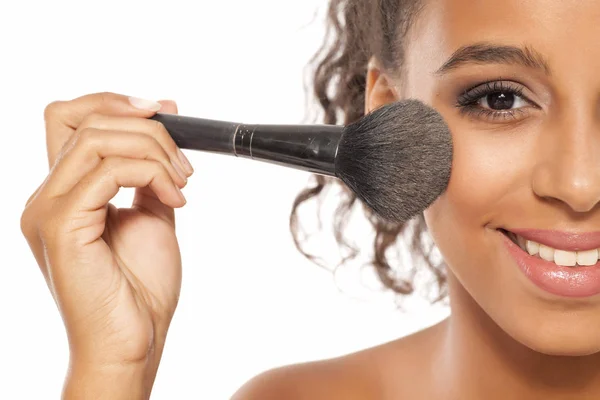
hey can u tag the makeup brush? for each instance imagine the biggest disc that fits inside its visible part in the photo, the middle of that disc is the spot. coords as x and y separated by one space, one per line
397 159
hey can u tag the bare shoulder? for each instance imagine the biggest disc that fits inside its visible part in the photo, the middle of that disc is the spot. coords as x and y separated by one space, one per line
390 370
325 379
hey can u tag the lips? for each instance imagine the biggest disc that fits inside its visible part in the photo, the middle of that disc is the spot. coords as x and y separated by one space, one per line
552 278
569 241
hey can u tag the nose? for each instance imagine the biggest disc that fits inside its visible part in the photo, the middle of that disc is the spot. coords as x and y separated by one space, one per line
569 164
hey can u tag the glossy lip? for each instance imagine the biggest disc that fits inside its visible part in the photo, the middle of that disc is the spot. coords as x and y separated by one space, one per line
573 282
569 241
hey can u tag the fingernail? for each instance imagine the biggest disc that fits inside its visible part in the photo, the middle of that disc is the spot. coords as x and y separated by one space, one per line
186 163
180 193
179 171
144 104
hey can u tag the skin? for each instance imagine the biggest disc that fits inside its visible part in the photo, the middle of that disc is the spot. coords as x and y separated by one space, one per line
115 311
505 337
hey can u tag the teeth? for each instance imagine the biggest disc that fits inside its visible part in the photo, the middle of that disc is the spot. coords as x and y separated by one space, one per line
565 258
532 247
547 253
589 257
559 257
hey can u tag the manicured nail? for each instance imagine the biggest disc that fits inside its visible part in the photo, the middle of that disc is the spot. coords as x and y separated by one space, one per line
144 104
186 163
180 193
179 171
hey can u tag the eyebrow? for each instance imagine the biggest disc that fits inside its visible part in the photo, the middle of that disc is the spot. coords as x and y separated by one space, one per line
486 53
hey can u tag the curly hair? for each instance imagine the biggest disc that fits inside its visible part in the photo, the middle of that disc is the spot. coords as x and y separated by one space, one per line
356 31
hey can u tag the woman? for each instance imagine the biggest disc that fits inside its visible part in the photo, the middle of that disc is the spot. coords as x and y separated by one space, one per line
517 83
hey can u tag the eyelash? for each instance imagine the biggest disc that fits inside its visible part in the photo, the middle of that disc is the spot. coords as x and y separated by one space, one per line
468 101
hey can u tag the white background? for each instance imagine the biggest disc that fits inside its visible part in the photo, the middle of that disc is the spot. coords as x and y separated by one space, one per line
250 301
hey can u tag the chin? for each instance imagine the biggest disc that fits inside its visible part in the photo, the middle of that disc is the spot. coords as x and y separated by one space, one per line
551 348
564 337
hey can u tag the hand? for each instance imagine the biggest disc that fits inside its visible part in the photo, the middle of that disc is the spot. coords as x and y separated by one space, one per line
115 274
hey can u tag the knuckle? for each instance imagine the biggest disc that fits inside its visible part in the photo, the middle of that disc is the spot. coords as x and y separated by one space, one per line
158 169
54 109
44 224
90 120
26 222
109 164
30 214
86 137
153 147
105 97
157 127
162 132
39 216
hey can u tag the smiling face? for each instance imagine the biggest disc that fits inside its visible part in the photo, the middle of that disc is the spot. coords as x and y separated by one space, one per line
518 82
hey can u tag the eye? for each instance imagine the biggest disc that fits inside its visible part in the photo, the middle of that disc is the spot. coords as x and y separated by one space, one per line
495 101
498 101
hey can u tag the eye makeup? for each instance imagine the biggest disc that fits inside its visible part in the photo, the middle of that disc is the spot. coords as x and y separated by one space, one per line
495 101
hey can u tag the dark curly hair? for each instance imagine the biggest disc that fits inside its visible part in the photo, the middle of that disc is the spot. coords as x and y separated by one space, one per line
356 31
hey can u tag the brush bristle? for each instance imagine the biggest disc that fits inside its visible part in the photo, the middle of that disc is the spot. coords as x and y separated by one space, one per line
397 159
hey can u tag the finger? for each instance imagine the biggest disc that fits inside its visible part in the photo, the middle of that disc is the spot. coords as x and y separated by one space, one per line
91 145
63 117
142 125
98 187
145 198
169 107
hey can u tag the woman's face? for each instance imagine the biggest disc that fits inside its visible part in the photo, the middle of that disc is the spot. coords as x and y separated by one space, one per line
523 106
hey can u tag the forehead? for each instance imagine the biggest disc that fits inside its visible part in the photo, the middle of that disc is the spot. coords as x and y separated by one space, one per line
566 32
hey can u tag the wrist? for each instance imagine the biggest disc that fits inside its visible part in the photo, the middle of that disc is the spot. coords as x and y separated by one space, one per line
94 374
89 380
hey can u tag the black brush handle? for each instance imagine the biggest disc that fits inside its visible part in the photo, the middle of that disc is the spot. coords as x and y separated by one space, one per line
198 133
310 148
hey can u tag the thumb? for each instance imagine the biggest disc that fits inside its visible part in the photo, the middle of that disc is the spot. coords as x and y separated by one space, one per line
168 107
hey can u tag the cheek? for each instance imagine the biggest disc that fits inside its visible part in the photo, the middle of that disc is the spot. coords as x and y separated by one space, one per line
491 184
491 180
488 170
